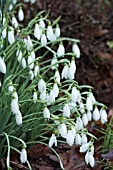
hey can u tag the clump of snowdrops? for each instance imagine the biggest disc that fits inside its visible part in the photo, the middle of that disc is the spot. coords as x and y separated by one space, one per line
38 90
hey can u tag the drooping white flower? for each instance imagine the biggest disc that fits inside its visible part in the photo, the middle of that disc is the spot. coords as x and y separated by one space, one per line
28 43
74 130
24 62
89 103
79 123
14 22
55 90
11 38
84 139
66 110
32 54
20 14
70 138
63 130
42 24
35 96
2 66
14 106
57 31
78 139
43 96
31 74
10 88
74 94
36 69
43 40
46 113
57 76
15 95
37 32
50 32
71 73
84 119
72 105
73 65
30 62
14 2
41 85
103 116
96 114
89 115
19 55
23 156
84 147
61 50
52 140
89 159
10 7
65 72
4 32
18 117
81 105
53 63
76 50
51 97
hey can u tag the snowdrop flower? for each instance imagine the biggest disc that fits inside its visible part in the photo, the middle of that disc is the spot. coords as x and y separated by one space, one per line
23 156
76 50
50 32
78 139
11 38
20 14
81 105
89 159
96 114
15 95
72 105
89 103
89 115
53 63
30 62
43 40
14 2
84 147
57 76
24 62
103 116
79 123
51 96
35 96
85 119
57 31
61 50
66 110
65 72
14 106
18 117
43 96
84 139
41 24
10 7
31 75
92 149
70 138
14 22
63 130
73 65
32 54
71 74
36 69
41 85
74 94
55 90
37 32
2 66
92 98
4 33
28 43
46 113
19 55
74 130
52 140
10 88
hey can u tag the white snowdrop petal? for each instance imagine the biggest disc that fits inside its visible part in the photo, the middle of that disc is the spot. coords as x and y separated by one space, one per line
57 76
23 156
2 66
57 32
63 130
43 96
85 119
96 114
24 63
55 90
79 123
84 147
43 40
41 85
30 62
20 15
52 140
66 110
103 116
61 50
35 96
76 50
14 106
46 113
70 138
78 139
18 118
84 139
11 38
